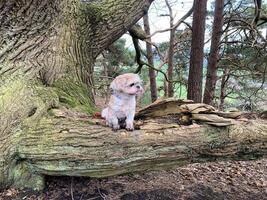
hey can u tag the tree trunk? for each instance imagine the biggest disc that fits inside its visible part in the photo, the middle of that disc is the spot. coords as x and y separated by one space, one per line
213 59
70 147
165 88
225 78
152 74
47 54
170 53
196 57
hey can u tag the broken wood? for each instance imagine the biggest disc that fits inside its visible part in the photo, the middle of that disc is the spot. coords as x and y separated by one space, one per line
185 111
163 107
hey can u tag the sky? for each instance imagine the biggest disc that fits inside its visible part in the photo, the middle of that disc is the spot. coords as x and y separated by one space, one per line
157 22
180 8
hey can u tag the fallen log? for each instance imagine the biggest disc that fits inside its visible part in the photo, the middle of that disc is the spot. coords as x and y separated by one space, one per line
67 143
80 148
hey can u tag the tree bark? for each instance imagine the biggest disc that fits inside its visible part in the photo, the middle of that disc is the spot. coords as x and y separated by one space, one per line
63 36
213 59
47 54
225 78
170 53
152 74
71 147
197 54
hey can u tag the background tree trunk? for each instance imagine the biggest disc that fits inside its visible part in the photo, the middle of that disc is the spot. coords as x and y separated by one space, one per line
47 54
213 59
170 52
225 78
197 53
152 74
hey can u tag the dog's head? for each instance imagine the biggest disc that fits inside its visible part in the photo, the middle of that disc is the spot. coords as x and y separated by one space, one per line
127 83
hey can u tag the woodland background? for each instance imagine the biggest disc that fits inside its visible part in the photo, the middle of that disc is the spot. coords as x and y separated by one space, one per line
234 65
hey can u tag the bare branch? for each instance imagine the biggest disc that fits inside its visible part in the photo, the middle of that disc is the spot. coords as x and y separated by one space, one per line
178 23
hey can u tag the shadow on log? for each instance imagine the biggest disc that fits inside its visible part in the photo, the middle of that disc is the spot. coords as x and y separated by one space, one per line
73 144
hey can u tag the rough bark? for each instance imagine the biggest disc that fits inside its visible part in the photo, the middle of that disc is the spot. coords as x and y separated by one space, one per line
46 36
152 74
213 59
78 148
197 53
47 54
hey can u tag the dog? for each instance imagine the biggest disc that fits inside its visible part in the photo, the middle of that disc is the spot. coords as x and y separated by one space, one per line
121 107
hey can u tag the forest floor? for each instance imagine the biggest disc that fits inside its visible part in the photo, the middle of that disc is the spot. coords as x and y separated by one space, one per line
246 180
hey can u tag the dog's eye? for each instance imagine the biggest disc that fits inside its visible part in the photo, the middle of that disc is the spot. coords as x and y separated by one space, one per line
131 85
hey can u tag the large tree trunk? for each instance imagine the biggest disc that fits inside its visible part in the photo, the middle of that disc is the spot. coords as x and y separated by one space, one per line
47 54
152 74
197 53
65 146
213 59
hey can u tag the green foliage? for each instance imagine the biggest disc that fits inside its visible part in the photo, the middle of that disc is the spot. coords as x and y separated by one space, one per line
115 60
117 54
247 65
181 61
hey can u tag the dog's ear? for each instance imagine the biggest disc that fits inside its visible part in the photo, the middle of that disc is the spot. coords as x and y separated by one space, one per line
118 84
113 86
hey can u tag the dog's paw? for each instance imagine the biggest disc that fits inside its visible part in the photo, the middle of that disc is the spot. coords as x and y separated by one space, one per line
115 127
129 127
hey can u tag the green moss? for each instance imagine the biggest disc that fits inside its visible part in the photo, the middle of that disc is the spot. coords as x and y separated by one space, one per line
48 95
74 94
25 178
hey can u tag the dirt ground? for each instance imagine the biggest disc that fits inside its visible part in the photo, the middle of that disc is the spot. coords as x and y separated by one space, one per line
244 180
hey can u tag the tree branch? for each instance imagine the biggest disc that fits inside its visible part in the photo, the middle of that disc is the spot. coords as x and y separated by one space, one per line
175 25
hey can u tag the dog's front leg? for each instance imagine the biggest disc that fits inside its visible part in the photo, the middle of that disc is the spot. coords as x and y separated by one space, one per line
129 121
112 120
115 123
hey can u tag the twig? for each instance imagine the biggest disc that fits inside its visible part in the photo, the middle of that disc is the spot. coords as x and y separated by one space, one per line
175 25
71 189
101 194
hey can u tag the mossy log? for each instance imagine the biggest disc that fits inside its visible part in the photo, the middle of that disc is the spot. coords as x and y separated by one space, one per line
79 146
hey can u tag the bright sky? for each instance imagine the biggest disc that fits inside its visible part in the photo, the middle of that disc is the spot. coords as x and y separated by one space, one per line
157 22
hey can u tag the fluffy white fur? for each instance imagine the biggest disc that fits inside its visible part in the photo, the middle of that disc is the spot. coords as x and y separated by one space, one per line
121 107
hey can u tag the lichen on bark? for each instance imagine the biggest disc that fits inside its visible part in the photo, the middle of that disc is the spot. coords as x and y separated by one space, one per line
23 104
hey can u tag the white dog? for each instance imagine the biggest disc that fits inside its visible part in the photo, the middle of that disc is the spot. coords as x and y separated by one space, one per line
121 107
